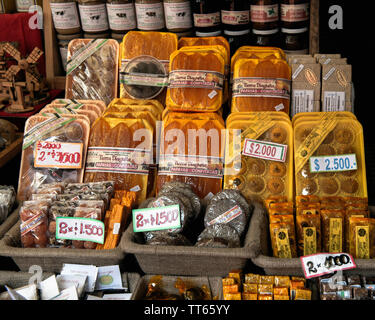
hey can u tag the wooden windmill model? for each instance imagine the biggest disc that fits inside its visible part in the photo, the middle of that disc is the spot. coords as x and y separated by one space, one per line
33 81
4 96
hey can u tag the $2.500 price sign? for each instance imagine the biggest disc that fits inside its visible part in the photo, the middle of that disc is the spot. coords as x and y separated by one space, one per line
339 163
63 155
265 150
154 219
80 229
318 265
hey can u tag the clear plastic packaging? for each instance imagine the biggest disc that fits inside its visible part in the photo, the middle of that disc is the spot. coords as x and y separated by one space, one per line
92 73
34 226
7 200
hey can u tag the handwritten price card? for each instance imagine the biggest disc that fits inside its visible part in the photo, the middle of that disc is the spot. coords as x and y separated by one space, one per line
154 219
62 155
80 229
265 150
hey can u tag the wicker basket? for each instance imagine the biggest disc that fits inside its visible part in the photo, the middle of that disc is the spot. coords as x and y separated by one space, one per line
186 260
261 252
9 222
168 283
52 259
15 279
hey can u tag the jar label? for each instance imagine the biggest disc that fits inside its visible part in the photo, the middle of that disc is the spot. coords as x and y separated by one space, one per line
295 12
261 87
196 79
150 16
118 160
206 20
24 5
65 15
121 16
94 18
235 17
264 14
178 15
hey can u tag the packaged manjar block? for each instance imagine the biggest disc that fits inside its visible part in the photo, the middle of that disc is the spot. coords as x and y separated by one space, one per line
309 235
283 240
329 157
120 150
92 70
362 238
259 157
196 80
54 150
261 85
191 151
157 46
333 232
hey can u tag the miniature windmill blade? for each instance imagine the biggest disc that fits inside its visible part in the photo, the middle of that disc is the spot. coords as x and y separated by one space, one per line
34 55
8 48
34 77
12 71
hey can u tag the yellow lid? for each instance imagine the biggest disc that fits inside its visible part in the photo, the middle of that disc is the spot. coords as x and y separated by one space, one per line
318 115
329 135
249 115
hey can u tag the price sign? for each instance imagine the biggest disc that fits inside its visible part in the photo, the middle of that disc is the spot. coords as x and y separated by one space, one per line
80 229
325 263
265 150
50 154
154 219
333 163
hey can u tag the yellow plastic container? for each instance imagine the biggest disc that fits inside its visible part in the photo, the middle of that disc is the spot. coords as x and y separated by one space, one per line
329 135
319 115
259 177
261 85
135 108
126 101
193 116
196 80
249 115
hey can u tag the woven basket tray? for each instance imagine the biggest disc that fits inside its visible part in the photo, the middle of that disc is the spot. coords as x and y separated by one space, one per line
9 222
186 260
52 259
261 252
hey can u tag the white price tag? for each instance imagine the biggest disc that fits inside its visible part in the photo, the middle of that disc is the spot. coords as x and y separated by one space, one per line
333 163
265 150
58 155
153 219
80 229
325 263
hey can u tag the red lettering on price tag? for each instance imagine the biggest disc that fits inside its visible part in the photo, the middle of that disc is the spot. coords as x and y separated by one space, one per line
154 219
265 150
80 229
63 155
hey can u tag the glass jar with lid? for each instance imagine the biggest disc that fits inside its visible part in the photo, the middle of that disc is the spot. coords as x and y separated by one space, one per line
266 38
150 15
178 16
295 14
24 5
121 15
65 16
93 15
295 41
264 14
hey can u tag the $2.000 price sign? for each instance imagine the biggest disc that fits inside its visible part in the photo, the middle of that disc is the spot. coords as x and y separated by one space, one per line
339 163
63 155
265 150
154 219
80 229
317 265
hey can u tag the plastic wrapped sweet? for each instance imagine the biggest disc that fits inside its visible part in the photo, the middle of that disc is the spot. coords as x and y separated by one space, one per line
34 226
259 176
113 154
196 80
219 236
283 238
191 151
309 234
330 134
169 239
133 105
362 238
100 104
90 213
50 130
92 71
261 85
333 233
7 200
57 211
158 45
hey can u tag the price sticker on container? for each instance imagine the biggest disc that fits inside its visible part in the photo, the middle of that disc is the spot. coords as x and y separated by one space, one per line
62 155
320 264
265 150
80 229
333 163
154 219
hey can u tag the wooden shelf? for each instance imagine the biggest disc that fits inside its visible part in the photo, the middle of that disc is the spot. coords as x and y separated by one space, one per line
10 152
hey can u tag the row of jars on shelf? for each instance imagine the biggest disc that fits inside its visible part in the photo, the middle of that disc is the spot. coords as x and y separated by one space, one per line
205 17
